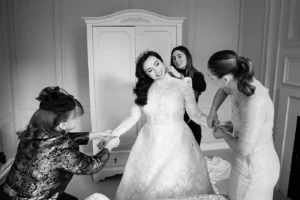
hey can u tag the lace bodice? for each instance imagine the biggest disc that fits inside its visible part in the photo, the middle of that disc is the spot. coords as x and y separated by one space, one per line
167 101
252 117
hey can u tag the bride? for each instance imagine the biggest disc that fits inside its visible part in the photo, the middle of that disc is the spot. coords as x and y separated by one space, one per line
165 162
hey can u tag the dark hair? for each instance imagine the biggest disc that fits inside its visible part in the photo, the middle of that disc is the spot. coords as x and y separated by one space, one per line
45 121
229 62
189 70
144 81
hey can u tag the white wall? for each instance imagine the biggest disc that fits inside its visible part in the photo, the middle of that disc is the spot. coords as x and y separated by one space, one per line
49 43
8 138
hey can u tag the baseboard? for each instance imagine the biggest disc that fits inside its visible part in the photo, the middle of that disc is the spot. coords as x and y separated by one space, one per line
107 172
5 169
214 146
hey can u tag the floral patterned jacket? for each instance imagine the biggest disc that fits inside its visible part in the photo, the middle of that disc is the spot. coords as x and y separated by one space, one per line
46 172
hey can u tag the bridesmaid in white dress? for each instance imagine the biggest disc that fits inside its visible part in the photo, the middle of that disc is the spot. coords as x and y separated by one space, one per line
165 161
256 165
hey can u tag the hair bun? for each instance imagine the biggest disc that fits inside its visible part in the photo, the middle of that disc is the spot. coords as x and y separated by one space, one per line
55 99
242 60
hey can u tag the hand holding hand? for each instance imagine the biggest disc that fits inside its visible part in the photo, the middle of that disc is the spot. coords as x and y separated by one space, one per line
100 135
112 143
212 119
218 133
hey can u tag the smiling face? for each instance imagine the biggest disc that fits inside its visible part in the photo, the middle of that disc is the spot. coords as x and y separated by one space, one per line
154 68
179 59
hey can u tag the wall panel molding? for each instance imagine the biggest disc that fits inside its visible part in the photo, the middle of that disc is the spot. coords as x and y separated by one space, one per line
264 65
8 138
191 20
291 68
271 55
58 42
240 34
293 35
6 107
13 61
289 107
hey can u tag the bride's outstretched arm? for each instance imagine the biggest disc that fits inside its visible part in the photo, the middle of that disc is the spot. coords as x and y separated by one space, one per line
135 115
190 104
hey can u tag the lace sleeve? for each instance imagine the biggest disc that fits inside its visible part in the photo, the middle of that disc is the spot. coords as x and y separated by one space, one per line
135 115
253 116
190 103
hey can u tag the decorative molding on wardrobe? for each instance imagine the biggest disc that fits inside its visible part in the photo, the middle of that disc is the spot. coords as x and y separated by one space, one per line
135 19
149 18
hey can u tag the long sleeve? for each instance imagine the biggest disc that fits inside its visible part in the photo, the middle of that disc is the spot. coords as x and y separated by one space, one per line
253 116
72 160
81 138
199 83
135 115
190 104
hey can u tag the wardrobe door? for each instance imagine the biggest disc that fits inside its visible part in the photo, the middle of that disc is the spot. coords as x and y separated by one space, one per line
114 78
161 39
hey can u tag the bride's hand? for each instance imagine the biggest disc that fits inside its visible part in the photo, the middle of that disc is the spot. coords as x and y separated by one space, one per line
100 135
218 133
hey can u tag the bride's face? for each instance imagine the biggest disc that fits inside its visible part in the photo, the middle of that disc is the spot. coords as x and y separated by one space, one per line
154 68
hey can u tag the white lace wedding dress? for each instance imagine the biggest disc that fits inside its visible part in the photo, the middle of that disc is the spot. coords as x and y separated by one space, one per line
165 161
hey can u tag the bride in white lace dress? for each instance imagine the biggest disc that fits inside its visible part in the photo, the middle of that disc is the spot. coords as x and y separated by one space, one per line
165 161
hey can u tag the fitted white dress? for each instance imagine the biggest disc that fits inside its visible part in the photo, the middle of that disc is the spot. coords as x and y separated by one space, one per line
255 175
165 161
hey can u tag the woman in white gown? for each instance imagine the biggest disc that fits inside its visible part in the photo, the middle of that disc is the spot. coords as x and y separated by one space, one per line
165 161
256 164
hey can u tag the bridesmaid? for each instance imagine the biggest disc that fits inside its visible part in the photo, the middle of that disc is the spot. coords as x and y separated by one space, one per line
181 59
256 166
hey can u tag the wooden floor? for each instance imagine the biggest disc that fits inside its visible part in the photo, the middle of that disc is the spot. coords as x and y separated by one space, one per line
83 186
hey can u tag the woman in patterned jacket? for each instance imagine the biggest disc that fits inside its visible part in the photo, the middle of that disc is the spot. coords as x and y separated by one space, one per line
48 154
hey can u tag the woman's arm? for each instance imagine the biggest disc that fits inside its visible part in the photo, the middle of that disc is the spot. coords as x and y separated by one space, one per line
135 115
190 103
72 160
81 138
219 98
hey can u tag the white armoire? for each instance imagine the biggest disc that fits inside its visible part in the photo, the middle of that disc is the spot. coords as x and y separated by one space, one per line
114 42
